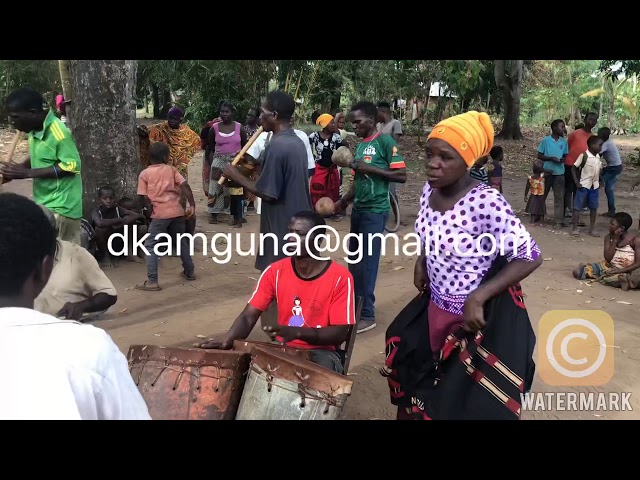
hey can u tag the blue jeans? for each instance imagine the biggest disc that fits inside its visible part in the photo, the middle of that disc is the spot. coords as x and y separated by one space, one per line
365 272
173 227
609 178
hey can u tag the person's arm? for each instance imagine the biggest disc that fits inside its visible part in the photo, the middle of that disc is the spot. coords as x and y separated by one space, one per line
116 394
420 277
264 294
270 183
574 171
346 199
212 140
96 303
519 249
130 216
243 136
545 158
100 222
526 190
396 131
610 245
67 163
633 266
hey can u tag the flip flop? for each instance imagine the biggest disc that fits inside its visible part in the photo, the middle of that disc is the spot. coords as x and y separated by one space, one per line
143 286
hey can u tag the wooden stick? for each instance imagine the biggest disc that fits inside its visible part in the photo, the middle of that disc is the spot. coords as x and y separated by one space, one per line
8 157
239 156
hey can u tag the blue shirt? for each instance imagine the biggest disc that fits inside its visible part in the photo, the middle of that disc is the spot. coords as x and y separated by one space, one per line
549 147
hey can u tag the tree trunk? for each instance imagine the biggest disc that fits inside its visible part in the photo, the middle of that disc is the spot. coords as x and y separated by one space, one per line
105 132
63 67
510 86
155 95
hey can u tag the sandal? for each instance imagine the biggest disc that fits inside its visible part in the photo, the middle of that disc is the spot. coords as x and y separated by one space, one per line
190 278
147 288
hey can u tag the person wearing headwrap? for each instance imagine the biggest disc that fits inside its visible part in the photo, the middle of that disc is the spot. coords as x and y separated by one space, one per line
465 227
325 181
182 141
183 144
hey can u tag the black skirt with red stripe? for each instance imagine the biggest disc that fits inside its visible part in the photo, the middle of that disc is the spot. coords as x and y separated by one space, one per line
475 376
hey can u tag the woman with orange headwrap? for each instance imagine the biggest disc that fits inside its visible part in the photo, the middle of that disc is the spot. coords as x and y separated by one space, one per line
325 182
469 232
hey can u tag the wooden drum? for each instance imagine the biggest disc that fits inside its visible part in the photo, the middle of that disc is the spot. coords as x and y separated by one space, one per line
188 383
284 387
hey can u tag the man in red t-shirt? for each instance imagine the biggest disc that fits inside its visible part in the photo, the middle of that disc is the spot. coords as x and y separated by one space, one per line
314 297
577 146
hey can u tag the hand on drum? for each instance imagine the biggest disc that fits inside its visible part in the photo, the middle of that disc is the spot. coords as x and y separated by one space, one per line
287 333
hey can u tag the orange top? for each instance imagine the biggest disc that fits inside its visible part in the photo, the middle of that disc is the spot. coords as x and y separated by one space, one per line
577 145
161 183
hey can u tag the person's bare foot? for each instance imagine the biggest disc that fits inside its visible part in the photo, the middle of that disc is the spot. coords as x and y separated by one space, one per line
624 282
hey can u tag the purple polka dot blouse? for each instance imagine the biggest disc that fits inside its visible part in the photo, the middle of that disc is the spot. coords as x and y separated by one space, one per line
462 243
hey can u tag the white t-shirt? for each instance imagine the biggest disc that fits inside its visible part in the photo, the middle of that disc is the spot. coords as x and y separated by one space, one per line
53 369
258 146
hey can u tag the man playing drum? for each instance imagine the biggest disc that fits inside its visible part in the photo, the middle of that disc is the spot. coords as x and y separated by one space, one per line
314 297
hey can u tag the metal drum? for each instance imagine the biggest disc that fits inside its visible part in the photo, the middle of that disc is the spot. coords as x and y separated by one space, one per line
188 383
284 387
248 346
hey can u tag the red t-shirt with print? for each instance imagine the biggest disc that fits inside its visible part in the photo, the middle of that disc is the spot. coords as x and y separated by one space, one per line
323 301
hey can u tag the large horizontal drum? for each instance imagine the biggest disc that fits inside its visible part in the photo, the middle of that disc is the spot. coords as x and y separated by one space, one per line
187 383
285 387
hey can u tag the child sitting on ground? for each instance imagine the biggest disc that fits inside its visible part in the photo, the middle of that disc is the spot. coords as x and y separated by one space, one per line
109 218
479 170
160 188
586 175
621 264
495 169
535 202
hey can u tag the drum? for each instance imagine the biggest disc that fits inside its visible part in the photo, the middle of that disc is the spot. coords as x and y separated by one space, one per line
285 387
248 346
187 383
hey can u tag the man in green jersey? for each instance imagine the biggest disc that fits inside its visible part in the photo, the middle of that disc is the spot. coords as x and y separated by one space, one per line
53 163
376 163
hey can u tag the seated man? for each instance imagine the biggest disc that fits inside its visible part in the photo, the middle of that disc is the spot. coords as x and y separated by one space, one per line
78 289
109 218
314 297
621 265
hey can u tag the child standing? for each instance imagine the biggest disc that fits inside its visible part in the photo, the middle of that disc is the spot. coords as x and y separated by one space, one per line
586 175
535 202
479 170
495 173
160 186
236 195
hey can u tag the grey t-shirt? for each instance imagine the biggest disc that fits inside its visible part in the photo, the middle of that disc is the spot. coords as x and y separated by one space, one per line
611 154
284 177
392 128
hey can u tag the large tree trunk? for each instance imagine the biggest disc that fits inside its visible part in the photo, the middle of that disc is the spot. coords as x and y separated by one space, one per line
510 86
104 116
63 68
155 95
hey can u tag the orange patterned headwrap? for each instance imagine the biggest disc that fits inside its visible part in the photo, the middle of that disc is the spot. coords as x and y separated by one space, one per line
470 134
324 120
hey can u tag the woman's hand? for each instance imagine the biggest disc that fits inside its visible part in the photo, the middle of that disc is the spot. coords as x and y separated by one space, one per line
420 279
473 313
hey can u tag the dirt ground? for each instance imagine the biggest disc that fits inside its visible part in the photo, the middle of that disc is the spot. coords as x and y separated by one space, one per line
182 311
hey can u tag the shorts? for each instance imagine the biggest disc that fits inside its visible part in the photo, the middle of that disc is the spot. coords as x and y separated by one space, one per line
586 197
69 229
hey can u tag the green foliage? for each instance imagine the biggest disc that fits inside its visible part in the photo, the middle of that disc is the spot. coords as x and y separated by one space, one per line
41 75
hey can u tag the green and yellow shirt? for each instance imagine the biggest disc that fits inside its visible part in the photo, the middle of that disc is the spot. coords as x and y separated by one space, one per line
372 191
47 147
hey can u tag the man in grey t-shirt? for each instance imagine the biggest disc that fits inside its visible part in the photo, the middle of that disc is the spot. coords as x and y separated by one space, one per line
613 169
283 184
389 125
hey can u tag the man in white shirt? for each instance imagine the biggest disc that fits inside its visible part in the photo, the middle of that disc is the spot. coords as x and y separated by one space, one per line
257 149
586 175
51 369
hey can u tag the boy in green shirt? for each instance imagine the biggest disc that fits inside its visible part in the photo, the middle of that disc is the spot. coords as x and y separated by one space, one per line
376 163
53 163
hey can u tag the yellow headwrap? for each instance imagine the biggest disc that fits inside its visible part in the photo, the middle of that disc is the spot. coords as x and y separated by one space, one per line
324 120
470 134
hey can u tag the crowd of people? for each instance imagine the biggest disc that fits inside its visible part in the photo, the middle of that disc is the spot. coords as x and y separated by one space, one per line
301 301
